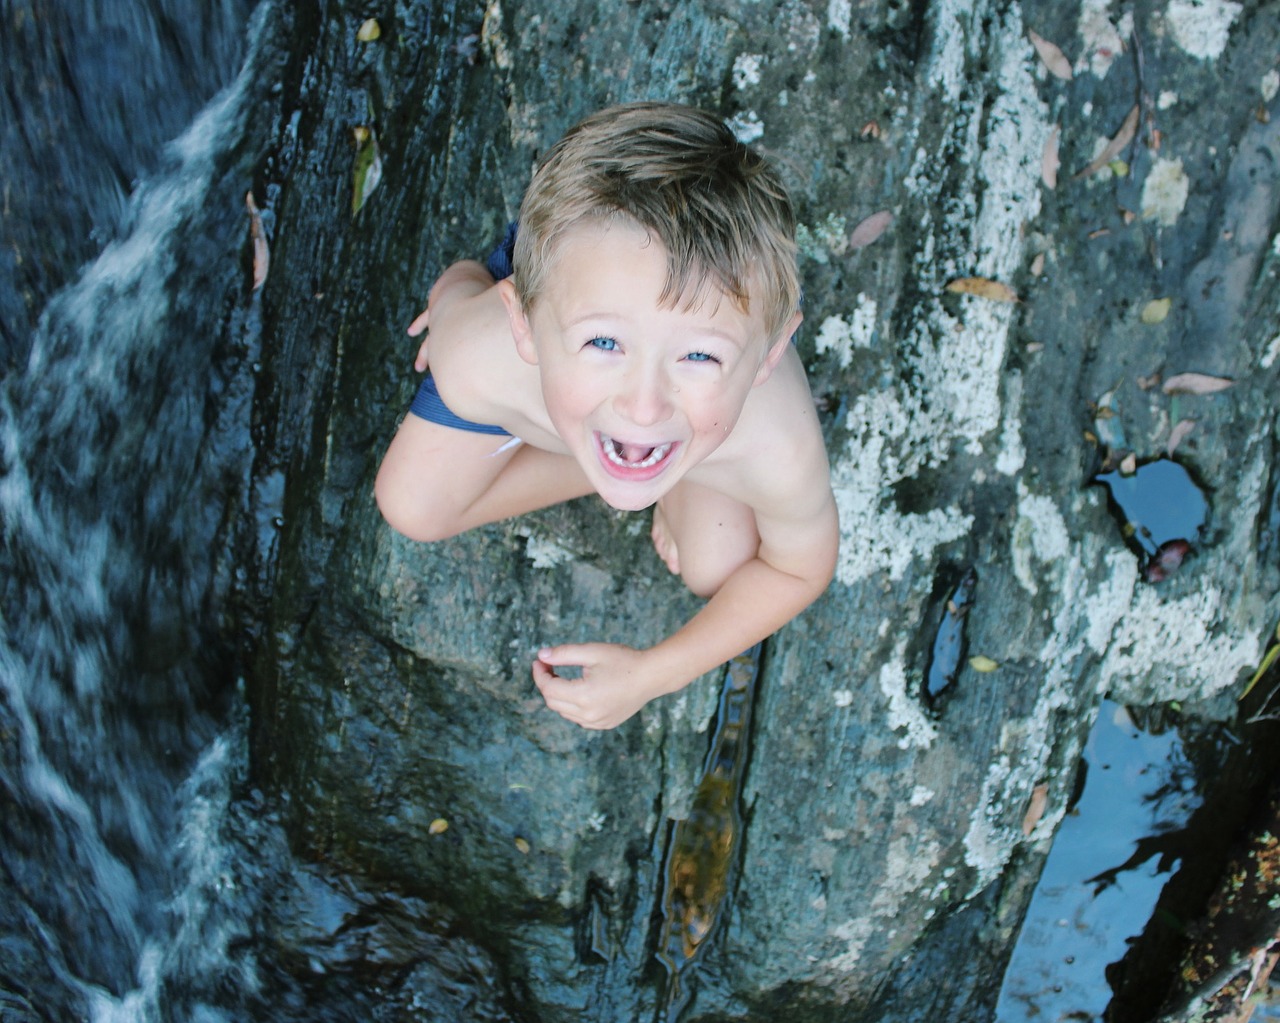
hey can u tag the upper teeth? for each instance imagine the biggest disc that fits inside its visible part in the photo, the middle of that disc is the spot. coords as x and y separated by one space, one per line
613 449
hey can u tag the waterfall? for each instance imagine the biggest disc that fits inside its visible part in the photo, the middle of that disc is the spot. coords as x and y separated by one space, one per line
118 753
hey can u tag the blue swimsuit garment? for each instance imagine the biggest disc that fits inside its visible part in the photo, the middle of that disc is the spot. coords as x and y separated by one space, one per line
427 403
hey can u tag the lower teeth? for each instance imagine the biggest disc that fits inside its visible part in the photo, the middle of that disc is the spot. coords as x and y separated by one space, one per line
656 455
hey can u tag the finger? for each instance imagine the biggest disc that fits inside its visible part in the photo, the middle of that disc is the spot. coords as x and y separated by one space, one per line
420 322
420 362
581 654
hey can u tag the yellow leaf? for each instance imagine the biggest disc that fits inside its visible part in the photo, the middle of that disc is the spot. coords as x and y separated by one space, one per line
1267 661
979 662
523 846
983 287
438 826
369 31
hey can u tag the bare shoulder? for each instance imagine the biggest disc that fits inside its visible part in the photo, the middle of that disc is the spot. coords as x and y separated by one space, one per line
775 459
476 366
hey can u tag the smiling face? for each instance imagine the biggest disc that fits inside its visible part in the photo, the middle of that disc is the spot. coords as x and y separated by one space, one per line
639 389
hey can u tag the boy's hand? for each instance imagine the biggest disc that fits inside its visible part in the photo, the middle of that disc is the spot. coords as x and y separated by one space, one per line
614 683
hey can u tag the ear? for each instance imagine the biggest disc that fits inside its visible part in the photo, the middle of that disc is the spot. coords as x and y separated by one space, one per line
520 329
778 349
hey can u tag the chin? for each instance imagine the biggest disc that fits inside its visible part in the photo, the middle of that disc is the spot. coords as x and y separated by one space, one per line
628 502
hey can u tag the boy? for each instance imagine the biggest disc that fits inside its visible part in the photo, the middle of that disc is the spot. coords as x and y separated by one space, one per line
641 350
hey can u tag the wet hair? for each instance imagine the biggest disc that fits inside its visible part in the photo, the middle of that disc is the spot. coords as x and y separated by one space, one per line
679 173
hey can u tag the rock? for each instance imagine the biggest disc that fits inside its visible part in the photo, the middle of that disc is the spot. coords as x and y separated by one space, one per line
391 687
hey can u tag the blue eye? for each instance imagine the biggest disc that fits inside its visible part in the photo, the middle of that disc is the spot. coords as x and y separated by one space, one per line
701 357
603 344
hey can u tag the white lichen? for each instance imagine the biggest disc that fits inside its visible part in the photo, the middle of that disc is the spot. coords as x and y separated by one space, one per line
920 795
1272 353
840 17
903 712
840 336
545 553
1166 100
842 698
1164 193
1270 85
746 69
1174 640
1013 455
1039 538
1201 27
1102 40
746 126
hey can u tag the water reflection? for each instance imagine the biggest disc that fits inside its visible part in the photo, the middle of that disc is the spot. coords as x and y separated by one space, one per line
1104 874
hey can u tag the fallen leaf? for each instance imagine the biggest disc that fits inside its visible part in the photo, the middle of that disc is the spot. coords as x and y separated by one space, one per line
983 287
1179 432
1054 60
870 229
1102 232
1035 809
1035 346
369 31
1267 661
1129 464
261 251
522 845
1196 383
368 167
982 663
1146 383
1112 149
1049 162
1037 265
1119 168
438 826
1156 311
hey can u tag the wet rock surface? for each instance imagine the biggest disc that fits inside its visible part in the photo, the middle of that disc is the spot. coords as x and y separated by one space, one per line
393 689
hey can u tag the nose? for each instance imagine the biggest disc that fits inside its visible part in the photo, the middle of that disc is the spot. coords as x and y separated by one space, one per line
645 397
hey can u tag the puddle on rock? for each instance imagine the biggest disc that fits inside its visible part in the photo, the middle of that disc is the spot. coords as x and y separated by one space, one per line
1103 875
1162 512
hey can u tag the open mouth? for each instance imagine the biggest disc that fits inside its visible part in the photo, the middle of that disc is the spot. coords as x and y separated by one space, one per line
633 461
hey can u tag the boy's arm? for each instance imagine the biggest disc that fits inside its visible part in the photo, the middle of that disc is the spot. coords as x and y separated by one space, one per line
795 563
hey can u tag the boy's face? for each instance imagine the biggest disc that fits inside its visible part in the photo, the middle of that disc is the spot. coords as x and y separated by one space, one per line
640 392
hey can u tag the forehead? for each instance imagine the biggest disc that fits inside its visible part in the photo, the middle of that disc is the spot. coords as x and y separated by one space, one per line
603 267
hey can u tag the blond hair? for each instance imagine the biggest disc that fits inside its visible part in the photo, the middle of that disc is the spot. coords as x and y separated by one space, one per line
678 172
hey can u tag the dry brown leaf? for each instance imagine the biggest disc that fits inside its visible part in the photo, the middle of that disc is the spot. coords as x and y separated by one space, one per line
438 826
522 845
870 229
1112 149
1049 162
983 287
1146 383
261 251
1036 808
1156 311
1129 464
1179 432
1055 61
1196 383
1037 265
